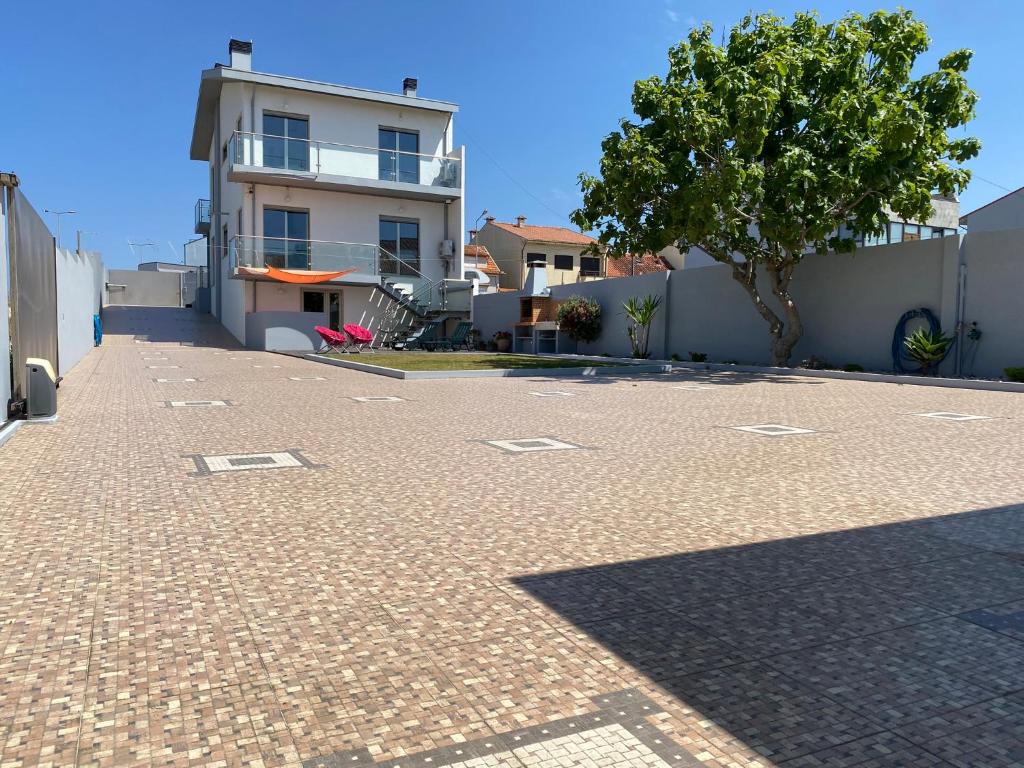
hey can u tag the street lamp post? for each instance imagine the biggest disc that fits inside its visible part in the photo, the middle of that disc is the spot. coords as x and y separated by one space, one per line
58 214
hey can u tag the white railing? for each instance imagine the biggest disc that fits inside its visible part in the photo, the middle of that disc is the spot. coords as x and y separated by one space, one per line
335 159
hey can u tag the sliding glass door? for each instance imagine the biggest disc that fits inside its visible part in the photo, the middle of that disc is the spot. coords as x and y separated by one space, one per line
286 238
285 142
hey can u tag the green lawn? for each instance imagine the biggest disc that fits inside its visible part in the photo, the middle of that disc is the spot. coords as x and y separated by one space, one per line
460 361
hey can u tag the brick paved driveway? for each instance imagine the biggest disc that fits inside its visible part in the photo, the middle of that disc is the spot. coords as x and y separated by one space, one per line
220 557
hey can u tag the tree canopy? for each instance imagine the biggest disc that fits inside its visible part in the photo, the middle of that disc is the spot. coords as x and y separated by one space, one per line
759 150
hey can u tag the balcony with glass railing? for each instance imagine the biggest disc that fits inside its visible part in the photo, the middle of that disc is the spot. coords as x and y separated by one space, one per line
327 164
202 217
305 255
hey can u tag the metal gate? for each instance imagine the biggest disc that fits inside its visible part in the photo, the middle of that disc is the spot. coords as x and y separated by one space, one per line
33 287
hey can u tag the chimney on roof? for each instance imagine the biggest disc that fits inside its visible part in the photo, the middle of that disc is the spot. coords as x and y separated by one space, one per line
240 52
489 219
409 86
520 220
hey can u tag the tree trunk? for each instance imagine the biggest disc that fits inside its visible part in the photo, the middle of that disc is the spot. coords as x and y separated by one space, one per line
783 343
745 274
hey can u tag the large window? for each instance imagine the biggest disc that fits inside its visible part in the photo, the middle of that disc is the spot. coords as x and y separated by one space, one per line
286 238
539 259
285 142
590 266
563 261
400 243
398 158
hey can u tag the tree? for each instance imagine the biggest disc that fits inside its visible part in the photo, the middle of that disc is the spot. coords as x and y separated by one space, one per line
760 150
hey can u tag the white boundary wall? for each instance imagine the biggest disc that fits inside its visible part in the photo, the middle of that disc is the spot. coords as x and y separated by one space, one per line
80 278
850 304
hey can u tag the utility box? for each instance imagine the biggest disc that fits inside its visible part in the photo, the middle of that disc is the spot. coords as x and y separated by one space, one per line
41 399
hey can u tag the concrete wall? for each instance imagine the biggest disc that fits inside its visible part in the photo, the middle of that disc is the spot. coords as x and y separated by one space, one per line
5 331
149 289
1005 213
850 305
283 331
80 279
232 301
993 298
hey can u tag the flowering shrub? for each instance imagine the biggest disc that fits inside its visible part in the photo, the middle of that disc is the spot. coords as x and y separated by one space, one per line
580 318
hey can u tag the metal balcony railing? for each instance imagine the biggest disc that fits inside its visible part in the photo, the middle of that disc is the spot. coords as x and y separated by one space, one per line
332 158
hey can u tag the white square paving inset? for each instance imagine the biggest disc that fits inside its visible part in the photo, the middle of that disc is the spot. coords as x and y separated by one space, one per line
163 366
174 381
239 358
613 744
238 462
156 358
553 393
306 378
378 399
266 366
947 416
692 387
197 403
532 445
774 430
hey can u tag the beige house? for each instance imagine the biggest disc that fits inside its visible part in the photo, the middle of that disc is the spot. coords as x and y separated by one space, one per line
514 246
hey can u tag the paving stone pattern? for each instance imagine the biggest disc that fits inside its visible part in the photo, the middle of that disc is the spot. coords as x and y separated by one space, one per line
392 590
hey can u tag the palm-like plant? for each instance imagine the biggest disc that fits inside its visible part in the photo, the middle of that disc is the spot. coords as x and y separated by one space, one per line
641 313
927 348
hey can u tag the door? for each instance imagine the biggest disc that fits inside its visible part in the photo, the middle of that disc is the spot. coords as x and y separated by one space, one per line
286 239
334 310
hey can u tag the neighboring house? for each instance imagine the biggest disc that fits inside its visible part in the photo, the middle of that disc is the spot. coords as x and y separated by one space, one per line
942 223
633 264
310 179
480 266
1006 212
166 266
515 246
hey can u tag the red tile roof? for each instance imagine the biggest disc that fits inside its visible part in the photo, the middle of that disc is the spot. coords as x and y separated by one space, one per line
530 232
477 252
642 265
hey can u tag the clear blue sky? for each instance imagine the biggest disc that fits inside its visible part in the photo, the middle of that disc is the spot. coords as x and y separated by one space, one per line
97 98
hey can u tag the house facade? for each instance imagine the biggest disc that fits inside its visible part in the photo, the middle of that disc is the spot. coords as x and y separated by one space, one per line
515 246
328 204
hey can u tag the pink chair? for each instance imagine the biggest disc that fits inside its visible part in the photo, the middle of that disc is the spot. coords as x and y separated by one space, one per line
333 340
361 338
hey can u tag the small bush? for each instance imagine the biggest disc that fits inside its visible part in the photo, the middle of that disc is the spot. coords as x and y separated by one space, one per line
814 363
580 318
698 357
1015 373
853 368
676 358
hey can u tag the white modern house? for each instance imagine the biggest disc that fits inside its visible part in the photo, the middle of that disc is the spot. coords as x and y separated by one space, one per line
328 205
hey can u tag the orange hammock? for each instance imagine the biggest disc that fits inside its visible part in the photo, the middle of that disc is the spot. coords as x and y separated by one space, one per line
304 277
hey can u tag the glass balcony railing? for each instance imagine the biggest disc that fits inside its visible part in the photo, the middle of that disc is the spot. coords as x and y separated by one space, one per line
202 217
316 255
334 159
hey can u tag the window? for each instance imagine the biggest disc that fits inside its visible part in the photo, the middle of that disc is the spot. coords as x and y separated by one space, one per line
539 259
285 238
398 158
895 232
563 261
313 301
400 243
911 232
590 266
285 142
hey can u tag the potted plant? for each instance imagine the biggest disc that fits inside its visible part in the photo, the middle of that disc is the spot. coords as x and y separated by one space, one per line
641 313
927 348
474 338
502 341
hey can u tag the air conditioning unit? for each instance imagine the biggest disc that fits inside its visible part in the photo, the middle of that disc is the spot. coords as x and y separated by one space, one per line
447 247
